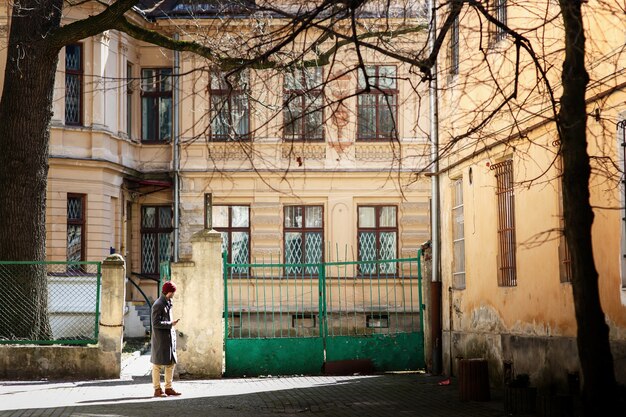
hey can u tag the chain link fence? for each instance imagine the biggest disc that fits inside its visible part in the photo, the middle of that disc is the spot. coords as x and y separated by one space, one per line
49 302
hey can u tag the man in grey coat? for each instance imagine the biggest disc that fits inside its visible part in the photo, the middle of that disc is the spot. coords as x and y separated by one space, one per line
163 341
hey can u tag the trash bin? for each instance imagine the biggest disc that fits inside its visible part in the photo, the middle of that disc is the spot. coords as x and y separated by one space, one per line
474 380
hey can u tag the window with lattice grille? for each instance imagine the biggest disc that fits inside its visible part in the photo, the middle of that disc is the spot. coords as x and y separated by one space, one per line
303 237
621 140
233 222
377 237
499 12
453 51
565 261
377 107
75 227
156 237
74 84
507 271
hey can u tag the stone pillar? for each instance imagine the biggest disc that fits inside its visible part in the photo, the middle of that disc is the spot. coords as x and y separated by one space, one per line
199 304
111 328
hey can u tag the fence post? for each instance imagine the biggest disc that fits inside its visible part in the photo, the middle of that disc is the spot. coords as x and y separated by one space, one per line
111 324
199 303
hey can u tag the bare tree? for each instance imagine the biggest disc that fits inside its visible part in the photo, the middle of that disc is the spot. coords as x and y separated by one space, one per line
301 35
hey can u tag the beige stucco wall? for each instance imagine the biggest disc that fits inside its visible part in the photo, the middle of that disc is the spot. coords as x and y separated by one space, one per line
531 324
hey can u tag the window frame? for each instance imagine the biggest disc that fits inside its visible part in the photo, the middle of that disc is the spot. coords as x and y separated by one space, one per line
230 229
79 74
377 230
154 230
507 243
378 93
453 50
307 110
158 95
621 142
303 230
130 90
82 222
500 13
458 277
228 93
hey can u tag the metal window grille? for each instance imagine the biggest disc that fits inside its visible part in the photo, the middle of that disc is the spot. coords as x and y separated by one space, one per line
507 272
156 104
378 107
458 233
75 227
74 84
621 132
500 13
230 108
377 238
454 47
303 238
233 222
303 107
156 237
565 260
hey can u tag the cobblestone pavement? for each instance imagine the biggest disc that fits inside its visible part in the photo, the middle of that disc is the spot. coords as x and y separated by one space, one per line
396 395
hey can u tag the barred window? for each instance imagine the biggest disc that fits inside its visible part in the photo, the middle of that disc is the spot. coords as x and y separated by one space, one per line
75 227
230 108
377 238
500 13
565 260
156 104
621 140
74 84
378 107
233 222
303 114
303 228
156 237
507 272
458 235
453 52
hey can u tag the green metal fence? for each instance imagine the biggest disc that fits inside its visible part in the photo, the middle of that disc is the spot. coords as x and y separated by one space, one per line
49 302
290 318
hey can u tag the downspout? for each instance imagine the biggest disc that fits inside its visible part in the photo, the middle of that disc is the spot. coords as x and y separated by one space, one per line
435 293
175 153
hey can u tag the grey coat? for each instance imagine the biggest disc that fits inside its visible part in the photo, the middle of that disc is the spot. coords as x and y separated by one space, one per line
163 334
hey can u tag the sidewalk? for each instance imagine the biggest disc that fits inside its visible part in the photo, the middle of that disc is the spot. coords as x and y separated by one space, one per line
403 394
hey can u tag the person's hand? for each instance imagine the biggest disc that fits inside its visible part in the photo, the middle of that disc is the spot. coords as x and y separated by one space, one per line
175 322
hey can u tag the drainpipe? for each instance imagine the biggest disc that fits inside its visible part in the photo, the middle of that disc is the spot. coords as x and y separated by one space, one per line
435 294
175 153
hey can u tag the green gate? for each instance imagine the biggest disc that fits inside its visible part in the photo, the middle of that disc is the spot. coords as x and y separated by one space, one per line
286 319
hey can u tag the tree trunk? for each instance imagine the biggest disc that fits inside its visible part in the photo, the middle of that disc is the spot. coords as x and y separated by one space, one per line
594 351
25 110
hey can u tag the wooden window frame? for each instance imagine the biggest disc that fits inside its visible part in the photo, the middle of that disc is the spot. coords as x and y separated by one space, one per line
157 94
130 90
377 229
82 222
500 13
152 230
301 95
378 93
303 230
78 73
228 94
230 229
458 277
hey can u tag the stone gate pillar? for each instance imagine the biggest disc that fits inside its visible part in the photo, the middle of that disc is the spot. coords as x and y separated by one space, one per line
199 304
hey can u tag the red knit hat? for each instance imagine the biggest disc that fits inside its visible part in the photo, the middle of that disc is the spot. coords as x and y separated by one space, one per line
168 287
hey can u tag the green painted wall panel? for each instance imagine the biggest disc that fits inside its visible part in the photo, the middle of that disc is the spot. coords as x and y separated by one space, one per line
388 352
278 356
